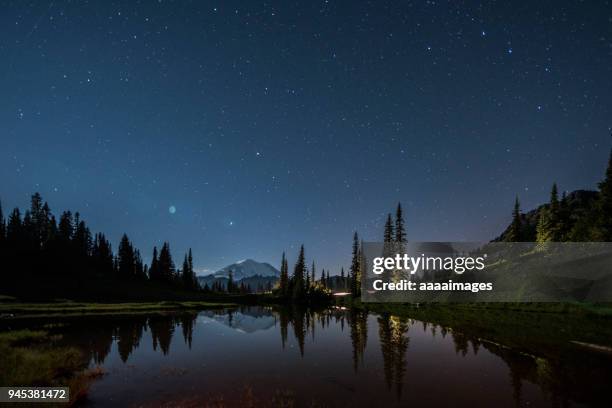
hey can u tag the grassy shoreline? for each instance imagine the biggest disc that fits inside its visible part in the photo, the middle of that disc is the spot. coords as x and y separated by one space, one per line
68 308
35 358
543 329
574 309
11 307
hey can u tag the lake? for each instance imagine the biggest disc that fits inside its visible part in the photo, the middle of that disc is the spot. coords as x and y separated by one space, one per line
336 357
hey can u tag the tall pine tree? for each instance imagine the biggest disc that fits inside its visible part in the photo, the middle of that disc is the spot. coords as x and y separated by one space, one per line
299 272
195 284
400 230
284 277
154 269
554 214
185 273
312 274
125 258
603 207
389 235
165 264
514 233
2 227
355 271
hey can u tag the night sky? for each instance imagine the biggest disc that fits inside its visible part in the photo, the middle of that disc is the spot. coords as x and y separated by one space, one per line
242 129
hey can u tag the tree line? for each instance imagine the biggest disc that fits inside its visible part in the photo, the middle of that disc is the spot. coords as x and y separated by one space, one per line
302 285
36 245
557 221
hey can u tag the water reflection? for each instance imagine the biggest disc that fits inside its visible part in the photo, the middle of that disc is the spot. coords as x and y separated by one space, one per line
351 357
394 345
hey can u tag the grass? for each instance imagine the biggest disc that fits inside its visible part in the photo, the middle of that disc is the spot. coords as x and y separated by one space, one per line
574 309
542 329
13 309
33 358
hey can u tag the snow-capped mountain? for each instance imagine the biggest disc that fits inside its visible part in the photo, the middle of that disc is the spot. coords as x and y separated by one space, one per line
247 268
248 320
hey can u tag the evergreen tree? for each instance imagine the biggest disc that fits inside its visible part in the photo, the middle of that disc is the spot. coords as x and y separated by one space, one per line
53 231
195 284
154 269
126 259
565 219
185 273
312 274
65 227
514 233
543 228
14 230
355 271
554 215
603 207
82 240
299 272
165 264
400 231
343 278
38 222
2 227
29 237
102 255
388 245
139 267
389 235
362 264
284 277
549 226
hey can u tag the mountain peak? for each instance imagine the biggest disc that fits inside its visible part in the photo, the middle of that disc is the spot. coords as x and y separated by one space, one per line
247 268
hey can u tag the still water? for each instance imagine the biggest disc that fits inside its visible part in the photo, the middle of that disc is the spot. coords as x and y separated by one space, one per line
263 356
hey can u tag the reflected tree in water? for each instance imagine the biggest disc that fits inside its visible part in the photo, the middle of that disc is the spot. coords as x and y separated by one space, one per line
461 343
100 340
299 329
298 318
187 322
283 319
128 335
392 332
358 323
162 329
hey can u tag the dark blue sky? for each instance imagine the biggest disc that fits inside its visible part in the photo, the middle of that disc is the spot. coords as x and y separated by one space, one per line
268 125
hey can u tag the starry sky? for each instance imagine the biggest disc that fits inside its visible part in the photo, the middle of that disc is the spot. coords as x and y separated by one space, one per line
245 128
